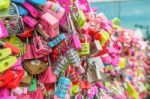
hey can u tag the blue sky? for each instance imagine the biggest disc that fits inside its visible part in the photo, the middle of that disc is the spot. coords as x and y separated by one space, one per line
131 11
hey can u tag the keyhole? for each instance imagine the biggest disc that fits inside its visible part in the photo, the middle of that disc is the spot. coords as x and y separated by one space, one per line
6 64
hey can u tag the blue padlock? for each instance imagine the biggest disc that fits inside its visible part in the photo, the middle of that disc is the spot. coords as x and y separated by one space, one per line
37 2
62 87
56 40
18 1
22 11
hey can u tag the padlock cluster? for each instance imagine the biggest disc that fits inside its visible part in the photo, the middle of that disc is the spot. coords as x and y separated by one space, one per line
63 49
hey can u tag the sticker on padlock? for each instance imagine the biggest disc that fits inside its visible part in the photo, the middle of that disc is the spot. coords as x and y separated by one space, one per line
50 24
7 62
31 9
85 47
54 9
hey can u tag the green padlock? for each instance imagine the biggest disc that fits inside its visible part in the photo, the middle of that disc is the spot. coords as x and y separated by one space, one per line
81 19
7 62
33 85
4 4
5 52
85 47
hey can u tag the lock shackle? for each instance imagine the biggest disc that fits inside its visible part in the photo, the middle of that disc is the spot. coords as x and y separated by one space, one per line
83 35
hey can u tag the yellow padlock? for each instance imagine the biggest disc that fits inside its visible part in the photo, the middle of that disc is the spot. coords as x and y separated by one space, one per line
85 47
7 62
4 4
105 38
131 91
122 62
5 52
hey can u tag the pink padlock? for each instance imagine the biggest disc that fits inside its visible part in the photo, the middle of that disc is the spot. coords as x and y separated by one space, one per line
54 9
76 42
65 4
30 21
84 5
3 31
5 94
31 9
50 25
47 76
41 46
35 54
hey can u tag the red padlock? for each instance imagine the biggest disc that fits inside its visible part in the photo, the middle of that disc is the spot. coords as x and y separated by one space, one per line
16 80
6 77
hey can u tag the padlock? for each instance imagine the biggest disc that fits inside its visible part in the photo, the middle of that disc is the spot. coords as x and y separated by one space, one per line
105 38
80 19
79 96
75 37
42 32
22 11
50 24
85 47
3 31
95 48
84 83
28 33
13 23
29 52
47 76
62 87
6 77
7 62
74 58
5 52
34 66
37 2
57 40
65 4
4 4
40 46
54 9
31 9
30 21
84 5
16 80
33 85
61 63
26 79
19 2
85 28
92 92
73 75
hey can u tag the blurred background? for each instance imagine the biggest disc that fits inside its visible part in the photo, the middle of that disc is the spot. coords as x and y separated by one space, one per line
134 14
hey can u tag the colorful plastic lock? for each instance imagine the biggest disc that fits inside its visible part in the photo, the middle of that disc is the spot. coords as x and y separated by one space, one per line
37 2
50 24
22 11
3 31
5 52
4 4
62 87
7 62
30 21
18 1
54 9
